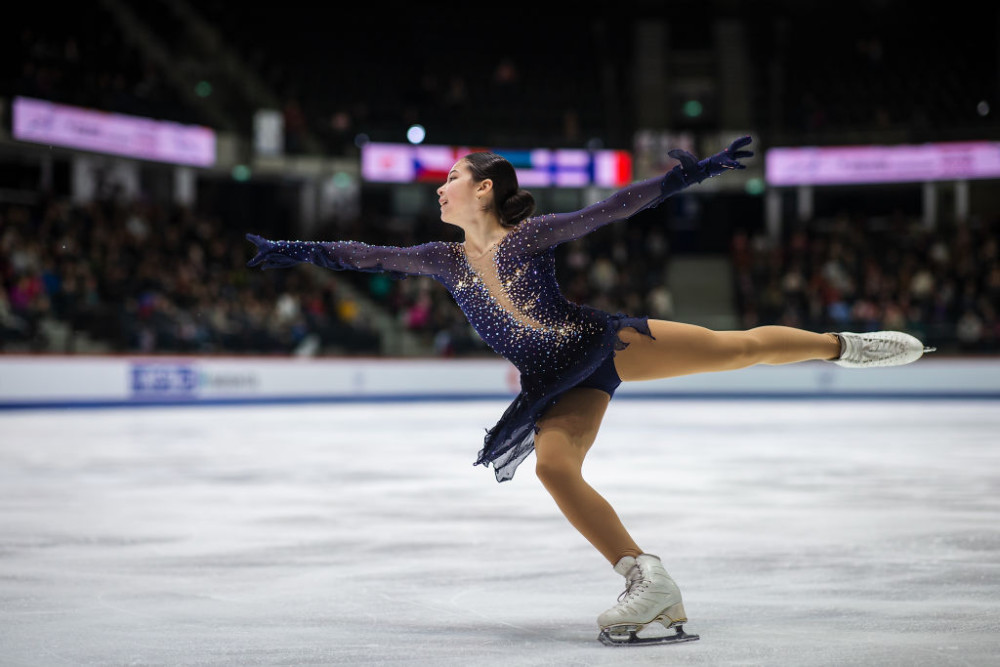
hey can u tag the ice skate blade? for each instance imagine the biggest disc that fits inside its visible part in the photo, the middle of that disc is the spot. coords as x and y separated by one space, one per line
631 638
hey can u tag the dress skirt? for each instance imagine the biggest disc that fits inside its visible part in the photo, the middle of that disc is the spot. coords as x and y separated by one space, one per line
512 439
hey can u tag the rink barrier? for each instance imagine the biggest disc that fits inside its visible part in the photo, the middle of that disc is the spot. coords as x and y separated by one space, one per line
28 382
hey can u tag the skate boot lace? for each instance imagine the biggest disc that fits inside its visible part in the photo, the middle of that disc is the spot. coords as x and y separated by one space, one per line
633 587
880 346
865 350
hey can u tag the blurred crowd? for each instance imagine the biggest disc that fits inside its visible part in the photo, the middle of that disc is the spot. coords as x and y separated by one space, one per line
137 277
143 278
854 273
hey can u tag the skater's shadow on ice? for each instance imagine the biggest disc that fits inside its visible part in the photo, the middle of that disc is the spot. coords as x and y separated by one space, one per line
498 634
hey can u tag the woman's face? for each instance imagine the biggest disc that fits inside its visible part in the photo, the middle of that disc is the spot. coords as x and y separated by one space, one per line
457 197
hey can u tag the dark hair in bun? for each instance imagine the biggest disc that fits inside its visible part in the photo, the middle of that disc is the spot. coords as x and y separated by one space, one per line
512 204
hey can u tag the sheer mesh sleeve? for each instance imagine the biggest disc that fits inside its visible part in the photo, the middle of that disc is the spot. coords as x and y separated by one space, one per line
545 231
428 259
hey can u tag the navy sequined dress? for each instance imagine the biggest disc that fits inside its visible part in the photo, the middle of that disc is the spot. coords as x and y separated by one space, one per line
511 297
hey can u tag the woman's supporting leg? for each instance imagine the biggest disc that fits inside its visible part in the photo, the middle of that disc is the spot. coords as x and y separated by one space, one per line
566 433
683 349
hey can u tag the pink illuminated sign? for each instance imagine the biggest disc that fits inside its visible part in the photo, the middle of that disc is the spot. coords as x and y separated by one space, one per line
840 165
44 122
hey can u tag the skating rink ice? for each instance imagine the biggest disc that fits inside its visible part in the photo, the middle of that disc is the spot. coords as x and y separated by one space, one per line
810 532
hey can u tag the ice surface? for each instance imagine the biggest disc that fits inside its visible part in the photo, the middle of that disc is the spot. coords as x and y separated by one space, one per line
801 532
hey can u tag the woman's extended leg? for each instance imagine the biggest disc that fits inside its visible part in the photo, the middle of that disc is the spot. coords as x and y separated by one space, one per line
683 349
566 433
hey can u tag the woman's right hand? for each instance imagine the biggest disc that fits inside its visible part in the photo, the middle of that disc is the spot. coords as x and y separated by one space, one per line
269 254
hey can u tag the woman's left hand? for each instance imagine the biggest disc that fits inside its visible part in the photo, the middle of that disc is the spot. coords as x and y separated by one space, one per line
696 172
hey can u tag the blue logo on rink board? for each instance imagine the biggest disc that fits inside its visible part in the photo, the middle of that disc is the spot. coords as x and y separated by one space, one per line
164 380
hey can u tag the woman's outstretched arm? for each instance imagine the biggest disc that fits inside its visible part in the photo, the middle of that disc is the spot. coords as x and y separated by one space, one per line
427 259
552 229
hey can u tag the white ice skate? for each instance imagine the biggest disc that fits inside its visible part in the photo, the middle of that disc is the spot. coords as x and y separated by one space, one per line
878 348
650 596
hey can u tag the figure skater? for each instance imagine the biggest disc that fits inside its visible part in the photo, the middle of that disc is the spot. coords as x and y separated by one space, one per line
572 357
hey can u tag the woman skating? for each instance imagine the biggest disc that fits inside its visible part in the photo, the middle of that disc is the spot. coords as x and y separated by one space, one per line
572 357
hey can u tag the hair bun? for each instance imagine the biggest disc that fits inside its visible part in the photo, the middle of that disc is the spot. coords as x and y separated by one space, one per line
517 207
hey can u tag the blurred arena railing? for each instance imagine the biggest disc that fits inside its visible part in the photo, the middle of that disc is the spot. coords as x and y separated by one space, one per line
54 381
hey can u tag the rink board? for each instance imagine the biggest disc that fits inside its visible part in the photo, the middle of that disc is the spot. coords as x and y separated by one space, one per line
73 381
